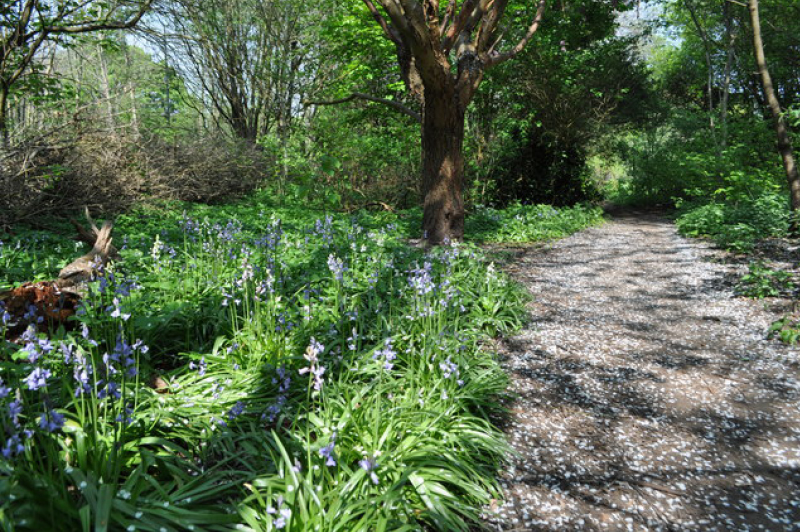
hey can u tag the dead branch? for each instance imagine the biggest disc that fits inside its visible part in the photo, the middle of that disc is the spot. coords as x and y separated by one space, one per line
361 96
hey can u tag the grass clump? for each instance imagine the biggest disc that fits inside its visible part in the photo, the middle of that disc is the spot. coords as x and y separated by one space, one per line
519 223
256 369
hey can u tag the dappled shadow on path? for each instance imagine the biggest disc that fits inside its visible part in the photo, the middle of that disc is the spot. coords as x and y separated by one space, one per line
646 395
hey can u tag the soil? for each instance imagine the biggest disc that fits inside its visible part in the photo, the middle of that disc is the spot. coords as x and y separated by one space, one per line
648 396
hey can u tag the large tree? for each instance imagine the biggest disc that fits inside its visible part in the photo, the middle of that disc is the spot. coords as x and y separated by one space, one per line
781 129
251 59
443 50
27 25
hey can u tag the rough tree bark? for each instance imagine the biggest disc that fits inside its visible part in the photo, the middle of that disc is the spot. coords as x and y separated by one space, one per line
781 129
3 116
443 166
442 58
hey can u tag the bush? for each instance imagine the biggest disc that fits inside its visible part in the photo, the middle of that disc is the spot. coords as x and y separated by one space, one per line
736 225
58 176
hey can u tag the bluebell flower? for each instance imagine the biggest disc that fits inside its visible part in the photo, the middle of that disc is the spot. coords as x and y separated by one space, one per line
116 310
31 345
337 267
387 353
85 334
12 447
81 373
327 452
369 464
110 390
14 411
283 380
312 355
450 369
125 417
236 410
68 350
421 279
200 366
351 340
51 421
37 378
32 314
4 390
284 514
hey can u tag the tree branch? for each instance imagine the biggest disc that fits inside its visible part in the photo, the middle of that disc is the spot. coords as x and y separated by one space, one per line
381 21
458 24
101 25
361 96
496 59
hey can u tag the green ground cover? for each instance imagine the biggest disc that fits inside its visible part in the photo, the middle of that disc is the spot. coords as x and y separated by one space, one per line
244 367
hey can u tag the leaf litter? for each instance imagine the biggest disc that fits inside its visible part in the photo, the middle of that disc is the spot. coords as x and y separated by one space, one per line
647 396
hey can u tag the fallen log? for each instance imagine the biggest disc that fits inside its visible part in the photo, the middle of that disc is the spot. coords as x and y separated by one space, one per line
49 304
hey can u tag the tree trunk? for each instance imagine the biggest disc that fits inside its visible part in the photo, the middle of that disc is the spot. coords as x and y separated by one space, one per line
726 77
4 117
105 92
442 167
781 130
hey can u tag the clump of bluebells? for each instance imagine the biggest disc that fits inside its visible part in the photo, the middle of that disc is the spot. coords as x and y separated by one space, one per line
308 360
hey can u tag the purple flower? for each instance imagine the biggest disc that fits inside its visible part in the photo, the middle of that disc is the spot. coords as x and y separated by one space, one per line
85 334
327 452
312 355
421 279
200 366
236 410
125 416
116 310
283 380
38 378
284 513
351 340
14 410
4 390
110 390
32 315
68 350
51 421
81 373
387 353
337 267
449 368
369 465
12 447
280 522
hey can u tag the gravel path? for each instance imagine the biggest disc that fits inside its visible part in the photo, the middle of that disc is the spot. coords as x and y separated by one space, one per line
648 397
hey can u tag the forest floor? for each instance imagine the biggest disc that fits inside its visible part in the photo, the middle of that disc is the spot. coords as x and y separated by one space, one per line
647 396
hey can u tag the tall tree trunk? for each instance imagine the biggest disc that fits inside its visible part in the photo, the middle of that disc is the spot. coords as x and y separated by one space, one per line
709 72
4 116
781 130
105 91
442 166
726 77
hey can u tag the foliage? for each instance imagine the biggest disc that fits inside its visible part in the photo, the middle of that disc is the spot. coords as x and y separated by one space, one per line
787 329
261 368
761 282
535 123
736 226
530 223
